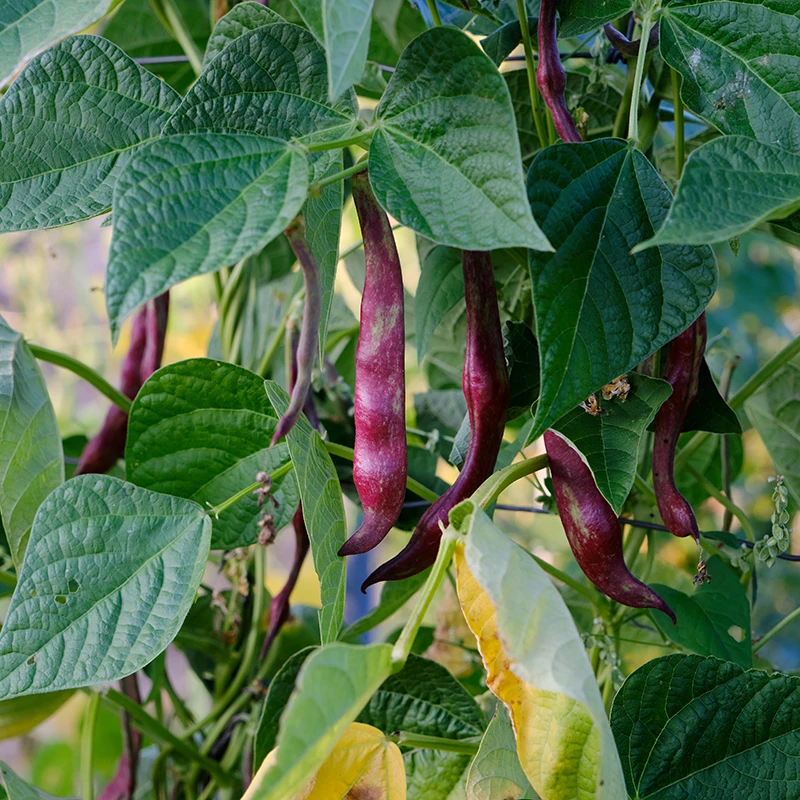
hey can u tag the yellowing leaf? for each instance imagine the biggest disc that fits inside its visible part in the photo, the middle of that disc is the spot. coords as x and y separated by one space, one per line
537 666
364 764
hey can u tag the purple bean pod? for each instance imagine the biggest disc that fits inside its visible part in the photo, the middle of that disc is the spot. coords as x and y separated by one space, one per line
486 389
380 464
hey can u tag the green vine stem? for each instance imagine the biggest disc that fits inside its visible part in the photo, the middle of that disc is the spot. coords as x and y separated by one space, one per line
82 371
530 66
491 489
155 730
624 110
467 747
182 35
215 511
280 331
432 7
360 138
339 176
648 20
777 629
677 105
87 747
724 501
750 387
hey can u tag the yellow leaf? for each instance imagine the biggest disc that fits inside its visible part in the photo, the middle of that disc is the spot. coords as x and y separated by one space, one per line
558 737
364 765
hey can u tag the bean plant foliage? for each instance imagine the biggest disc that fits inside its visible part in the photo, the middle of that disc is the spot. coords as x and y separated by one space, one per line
562 169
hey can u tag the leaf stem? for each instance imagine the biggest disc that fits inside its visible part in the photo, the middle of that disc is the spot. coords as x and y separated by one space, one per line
423 742
181 33
737 512
750 387
633 119
492 488
87 747
215 511
405 642
618 131
155 730
432 7
82 371
280 331
412 485
338 144
777 629
340 176
530 67
556 573
677 105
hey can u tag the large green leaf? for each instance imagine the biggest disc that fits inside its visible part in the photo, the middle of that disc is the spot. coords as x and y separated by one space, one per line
27 26
583 16
110 573
201 429
239 20
445 158
738 59
68 126
537 664
729 186
609 442
424 698
194 203
334 684
595 201
714 620
323 512
140 33
346 24
31 455
323 216
310 12
495 771
688 726
271 81
774 411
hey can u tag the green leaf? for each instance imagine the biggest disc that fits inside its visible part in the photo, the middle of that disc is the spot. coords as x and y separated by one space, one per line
595 201
31 454
444 158
110 573
609 442
526 126
334 684
584 16
346 25
323 216
439 291
686 726
730 185
271 81
241 19
710 412
140 33
310 12
191 204
495 771
774 411
538 665
16 788
201 429
394 595
280 690
323 512
22 714
109 105
499 44
522 355
28 26
714 620
738 59
424 698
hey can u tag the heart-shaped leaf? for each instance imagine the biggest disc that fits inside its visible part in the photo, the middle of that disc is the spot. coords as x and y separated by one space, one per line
444 158
686 726
194 203
201 429
31 455
109 575
595 201
109 105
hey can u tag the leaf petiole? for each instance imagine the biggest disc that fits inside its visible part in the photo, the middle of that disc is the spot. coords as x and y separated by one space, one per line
215 511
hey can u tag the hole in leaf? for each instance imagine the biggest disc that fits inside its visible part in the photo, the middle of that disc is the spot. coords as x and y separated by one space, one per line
33 592
73 586
61 599
31 661
736 633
